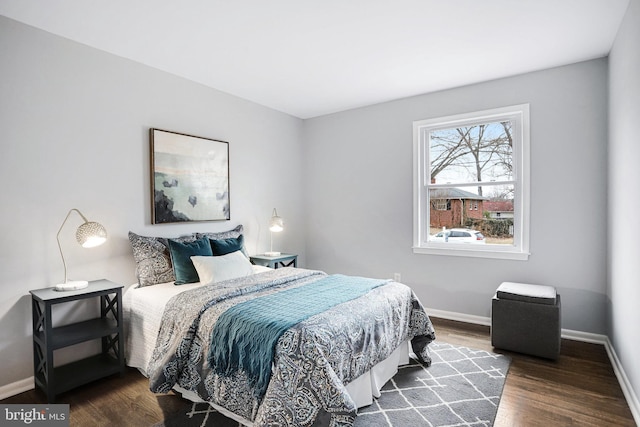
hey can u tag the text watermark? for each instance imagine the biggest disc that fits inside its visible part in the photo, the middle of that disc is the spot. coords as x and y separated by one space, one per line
51 415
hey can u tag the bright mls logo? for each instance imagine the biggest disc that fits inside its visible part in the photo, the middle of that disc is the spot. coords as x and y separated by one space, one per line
36 415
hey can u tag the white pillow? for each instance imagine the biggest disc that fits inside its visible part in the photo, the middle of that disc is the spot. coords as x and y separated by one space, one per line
212 269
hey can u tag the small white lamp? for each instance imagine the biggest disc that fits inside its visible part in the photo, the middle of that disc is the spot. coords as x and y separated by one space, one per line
276 225
89 235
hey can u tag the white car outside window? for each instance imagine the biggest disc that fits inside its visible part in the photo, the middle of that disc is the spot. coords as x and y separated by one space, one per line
459 235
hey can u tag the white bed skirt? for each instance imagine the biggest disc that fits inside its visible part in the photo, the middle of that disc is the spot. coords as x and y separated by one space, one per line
368 385
362 390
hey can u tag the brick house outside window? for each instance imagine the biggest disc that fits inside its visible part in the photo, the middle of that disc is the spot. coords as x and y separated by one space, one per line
450 207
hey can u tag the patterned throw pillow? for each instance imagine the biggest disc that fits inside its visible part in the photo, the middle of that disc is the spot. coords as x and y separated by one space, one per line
153 262
234 233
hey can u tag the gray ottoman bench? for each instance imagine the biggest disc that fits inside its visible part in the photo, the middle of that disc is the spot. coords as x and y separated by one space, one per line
526 319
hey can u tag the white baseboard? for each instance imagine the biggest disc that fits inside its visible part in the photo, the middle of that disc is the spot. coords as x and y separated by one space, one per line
460 317
486 321
570 334
623 380
625 384
16 388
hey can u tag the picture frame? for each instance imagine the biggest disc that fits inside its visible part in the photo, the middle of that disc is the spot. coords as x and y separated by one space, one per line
189 178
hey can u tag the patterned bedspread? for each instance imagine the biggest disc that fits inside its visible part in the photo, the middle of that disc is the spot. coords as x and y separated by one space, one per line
313 361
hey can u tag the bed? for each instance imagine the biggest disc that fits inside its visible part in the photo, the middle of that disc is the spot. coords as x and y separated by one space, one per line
321 368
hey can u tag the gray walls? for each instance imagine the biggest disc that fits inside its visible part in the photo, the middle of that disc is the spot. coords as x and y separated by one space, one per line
359 194
74 133
624 197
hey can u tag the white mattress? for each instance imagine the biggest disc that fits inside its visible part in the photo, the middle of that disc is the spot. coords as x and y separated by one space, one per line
143 308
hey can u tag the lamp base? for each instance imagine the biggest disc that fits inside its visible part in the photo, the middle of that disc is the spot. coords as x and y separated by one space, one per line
72 285
271 253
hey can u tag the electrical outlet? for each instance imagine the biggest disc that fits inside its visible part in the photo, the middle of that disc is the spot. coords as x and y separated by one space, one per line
397 277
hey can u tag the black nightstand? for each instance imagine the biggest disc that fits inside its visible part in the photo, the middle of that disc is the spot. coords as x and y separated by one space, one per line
282 260
46 338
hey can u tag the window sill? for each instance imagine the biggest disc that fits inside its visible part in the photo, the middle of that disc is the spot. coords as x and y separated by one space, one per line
466 251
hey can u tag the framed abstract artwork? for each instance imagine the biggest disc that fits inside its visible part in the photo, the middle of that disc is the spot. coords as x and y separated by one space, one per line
189 178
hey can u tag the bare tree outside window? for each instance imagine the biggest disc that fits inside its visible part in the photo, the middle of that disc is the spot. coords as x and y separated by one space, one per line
477 153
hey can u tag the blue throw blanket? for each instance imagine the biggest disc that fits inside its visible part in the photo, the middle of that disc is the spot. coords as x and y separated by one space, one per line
245 336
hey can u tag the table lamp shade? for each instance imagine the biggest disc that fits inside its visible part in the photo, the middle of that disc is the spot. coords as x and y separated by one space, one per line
89 235
276 225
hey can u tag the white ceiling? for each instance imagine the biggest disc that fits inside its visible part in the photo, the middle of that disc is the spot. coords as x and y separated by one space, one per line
314 57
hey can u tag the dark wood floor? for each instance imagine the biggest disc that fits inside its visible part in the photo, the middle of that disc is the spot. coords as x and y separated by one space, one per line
580 389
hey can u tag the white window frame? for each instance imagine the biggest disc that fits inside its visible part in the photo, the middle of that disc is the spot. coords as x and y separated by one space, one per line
519 114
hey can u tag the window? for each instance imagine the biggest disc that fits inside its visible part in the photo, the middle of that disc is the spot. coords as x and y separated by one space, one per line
478 161
442 204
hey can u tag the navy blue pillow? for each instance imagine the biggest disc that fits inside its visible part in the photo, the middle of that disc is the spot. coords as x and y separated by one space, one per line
226 246
181 253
